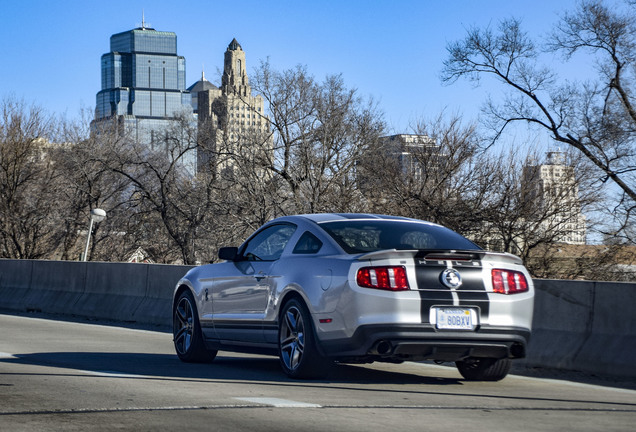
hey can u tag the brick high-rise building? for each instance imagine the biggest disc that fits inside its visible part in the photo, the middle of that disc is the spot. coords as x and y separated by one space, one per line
553 187
230 116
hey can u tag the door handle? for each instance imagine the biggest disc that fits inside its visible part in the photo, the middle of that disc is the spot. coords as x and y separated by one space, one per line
260 276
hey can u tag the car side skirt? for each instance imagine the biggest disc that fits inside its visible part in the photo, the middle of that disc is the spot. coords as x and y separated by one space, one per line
242 347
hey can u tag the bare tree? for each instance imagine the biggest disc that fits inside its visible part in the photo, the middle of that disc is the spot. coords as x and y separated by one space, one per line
500 200
89 183
594 262
28 179
596 118
319 132
537 203
52 174
247 194
443 177
162 187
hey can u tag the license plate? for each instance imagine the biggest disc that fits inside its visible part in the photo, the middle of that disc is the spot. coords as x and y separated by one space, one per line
456 318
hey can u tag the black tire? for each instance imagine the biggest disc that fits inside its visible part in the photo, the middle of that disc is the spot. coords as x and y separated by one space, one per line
186 331
484 369
297 350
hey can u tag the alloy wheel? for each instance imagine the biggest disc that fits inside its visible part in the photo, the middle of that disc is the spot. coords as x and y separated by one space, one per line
183 325
292 338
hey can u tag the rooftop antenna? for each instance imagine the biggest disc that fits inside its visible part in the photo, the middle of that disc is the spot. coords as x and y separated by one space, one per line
144 26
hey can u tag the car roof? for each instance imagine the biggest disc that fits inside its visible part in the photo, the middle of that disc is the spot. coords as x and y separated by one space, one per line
330 217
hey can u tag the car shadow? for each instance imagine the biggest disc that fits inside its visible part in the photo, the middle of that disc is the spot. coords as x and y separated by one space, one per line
251 370
223 368
227 367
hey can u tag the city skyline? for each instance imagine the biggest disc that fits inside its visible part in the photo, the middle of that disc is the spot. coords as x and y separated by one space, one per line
391 52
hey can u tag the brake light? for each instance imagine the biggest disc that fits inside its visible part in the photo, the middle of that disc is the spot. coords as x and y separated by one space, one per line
509 281
386 278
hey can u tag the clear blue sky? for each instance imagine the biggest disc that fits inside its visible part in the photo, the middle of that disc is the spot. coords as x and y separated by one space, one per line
391 50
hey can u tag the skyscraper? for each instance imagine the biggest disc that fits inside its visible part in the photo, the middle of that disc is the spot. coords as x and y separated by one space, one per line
143 84
236 118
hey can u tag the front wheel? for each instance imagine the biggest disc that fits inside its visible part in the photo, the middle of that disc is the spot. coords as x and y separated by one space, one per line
186 330
297 350
484 369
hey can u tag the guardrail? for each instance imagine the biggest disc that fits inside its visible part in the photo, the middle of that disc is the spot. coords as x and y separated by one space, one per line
578 325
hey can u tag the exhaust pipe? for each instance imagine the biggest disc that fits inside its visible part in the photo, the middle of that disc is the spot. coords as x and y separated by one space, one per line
517 350
382 347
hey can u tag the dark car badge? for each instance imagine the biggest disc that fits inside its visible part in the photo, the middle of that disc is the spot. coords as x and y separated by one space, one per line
451 278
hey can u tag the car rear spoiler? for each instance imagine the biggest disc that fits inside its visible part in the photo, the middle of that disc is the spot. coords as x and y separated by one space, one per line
388 253
442 255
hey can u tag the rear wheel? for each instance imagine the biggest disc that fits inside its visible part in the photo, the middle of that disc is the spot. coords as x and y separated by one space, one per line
186 330
297 350
484 369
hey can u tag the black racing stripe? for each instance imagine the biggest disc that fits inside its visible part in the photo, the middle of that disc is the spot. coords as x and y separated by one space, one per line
429 299
431 290
471 292
478 299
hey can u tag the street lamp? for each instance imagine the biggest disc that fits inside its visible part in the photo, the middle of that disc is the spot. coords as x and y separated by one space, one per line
97 215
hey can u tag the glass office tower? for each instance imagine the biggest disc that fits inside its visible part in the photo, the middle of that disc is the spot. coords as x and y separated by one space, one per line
143 83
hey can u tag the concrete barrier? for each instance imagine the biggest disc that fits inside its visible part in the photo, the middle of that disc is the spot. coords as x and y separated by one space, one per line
610 346
578 325
15 281
561 322
156 306
116 291
32 285
584 326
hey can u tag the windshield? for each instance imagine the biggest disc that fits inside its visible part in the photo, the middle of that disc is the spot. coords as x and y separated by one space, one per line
361 236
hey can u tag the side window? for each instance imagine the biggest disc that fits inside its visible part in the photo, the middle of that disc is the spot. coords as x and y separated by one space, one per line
268 245
307 244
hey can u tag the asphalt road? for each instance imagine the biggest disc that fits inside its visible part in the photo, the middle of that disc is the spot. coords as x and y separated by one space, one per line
60 375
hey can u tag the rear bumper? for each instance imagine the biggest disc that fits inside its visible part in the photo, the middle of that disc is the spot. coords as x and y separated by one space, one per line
417 342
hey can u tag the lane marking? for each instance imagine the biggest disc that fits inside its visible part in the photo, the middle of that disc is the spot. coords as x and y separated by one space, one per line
112 374
4 355
278 403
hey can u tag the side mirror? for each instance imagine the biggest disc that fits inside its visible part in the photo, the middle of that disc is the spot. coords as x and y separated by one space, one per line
228 253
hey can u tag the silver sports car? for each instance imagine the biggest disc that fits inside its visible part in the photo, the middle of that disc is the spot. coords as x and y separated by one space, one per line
357 288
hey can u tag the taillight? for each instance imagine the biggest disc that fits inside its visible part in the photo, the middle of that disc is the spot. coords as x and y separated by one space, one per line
509 281
385 278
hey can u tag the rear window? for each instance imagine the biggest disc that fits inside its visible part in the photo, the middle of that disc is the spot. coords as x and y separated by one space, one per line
373 235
